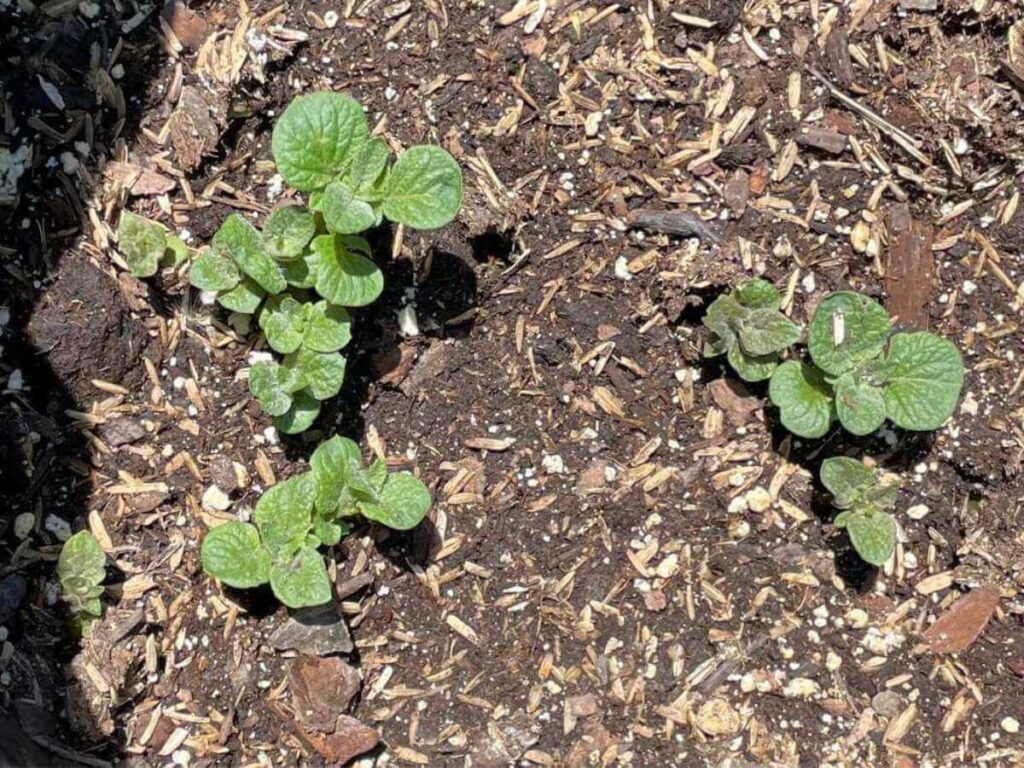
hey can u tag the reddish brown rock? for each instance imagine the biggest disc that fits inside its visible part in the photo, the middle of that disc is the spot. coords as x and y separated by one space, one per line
964 621
349 739
321 689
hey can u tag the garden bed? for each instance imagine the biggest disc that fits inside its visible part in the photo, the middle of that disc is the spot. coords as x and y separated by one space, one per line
629 560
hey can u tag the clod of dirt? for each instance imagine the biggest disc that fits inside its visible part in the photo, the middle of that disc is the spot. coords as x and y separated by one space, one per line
316 631
964 621
541 80
83 326
321 690
348 739
194 128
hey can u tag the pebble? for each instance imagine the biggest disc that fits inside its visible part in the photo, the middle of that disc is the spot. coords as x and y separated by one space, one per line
23 524
1010 725
758 499
553 464
215 498
918 512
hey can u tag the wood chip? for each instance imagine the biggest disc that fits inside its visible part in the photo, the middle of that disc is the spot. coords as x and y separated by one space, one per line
964 621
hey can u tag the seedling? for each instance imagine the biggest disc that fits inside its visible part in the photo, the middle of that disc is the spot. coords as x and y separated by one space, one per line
294 518
748 328
863 495
146 245
862 375
81 569
322 146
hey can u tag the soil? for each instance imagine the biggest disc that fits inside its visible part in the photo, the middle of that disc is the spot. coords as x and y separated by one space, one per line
640 569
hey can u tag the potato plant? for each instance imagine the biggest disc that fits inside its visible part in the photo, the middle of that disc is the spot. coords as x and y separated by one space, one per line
81 569
148 245
308 264
294 518
856 372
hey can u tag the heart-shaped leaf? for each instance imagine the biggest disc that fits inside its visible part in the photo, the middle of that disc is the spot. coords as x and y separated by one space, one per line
925 376
765 331
402 504
232 552
301 273
323 372
214 272
344 278
287 231
300 417
328 328
872 533
846 479
424 189
859 405
316 138
343 212
238 238
327 532
847 329
301 581
803 397
244 297
142 243
284 515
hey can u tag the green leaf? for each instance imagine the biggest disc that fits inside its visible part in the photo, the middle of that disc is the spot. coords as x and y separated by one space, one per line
300 417
301 581
343 213
328 464
244 297
232 552
723 318
301 273
177 252
344 278
872 533
803 398
846 479
284 323
316 138
757 294
240 239
425 188
326 532
404 502
284 515
924 380
357 244
328 328
274 386
847 329
82 558
749 367
142 243
213 272
287 231
765 331
859 405
377 473
323 372
368 166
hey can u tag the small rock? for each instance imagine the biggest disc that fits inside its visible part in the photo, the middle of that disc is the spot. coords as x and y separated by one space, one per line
1010 725
321 689
348 739
584 705
121 432
918 512
215 498
964 621
737 191
801 688
717 718
887 703
758 499
553 464
23 524
593 479
222 472
655 600
317 631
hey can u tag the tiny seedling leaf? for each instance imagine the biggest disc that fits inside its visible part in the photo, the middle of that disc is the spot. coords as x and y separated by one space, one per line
284 324
846 479
232 552
424 189
300 417
82 561
283 515
803 398
328 328
274 386
328 464
767 330
402 503
343 212
750 367
860 406
323 372
758 294
368 166
142 243
244 297
872 533
214 272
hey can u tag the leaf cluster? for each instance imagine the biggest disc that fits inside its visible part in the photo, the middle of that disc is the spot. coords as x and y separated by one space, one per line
294 518
308 264
148 245
863 495
81 569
